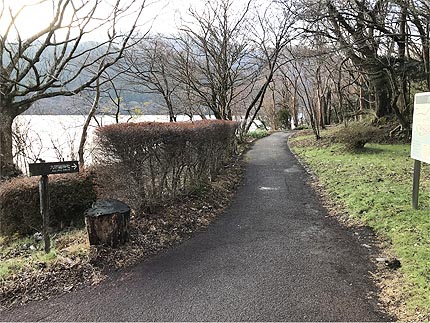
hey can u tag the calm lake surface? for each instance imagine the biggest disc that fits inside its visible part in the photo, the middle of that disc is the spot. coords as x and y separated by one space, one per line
57 137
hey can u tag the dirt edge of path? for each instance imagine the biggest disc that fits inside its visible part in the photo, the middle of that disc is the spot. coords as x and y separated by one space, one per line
390 298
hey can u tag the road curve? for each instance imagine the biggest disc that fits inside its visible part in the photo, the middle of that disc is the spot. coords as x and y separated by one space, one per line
273 256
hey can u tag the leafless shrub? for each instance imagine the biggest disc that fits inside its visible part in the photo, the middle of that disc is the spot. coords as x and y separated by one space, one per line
27 144
357 134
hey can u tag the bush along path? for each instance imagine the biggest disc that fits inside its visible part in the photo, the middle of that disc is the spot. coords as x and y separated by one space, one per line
26 273
372 187
274 255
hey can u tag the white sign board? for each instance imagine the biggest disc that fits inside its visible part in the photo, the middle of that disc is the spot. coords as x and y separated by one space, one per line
420 147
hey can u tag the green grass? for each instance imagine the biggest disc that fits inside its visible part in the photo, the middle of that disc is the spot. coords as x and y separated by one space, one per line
375 185
257 134
16 255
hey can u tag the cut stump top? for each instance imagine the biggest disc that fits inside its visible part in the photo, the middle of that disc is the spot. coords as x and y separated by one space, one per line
107 207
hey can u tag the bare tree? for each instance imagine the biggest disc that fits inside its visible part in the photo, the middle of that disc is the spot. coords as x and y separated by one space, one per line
55 61
115 98
106 89
212 57
27 143
288 88
418 13
386 40
149 68
273 32
84 134
303 75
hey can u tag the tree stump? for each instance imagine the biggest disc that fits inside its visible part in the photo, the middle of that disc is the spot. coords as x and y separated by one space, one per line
107 223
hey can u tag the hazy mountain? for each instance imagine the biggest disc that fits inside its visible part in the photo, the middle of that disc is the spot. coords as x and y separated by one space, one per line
80 105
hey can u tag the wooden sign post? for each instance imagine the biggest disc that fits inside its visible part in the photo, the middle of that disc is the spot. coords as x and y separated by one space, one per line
44 210
45 169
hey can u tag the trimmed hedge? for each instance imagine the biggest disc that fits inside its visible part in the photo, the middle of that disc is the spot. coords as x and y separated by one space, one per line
146 164
70 195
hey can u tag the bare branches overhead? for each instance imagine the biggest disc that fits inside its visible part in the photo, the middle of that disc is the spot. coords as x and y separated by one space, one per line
212 54
387 41
81 40
60 59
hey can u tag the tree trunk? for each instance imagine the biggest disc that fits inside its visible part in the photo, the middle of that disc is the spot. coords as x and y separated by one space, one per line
172 116
320 100
382 96
256 102
87 124
295 114
321 111
426 58
327 108
405 96
257 109
7 168
361 98
107 223
295 109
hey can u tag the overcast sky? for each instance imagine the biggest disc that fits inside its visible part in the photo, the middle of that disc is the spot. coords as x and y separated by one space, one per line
163 15
168 13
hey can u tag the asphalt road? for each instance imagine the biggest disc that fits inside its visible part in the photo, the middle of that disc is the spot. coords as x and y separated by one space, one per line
273 256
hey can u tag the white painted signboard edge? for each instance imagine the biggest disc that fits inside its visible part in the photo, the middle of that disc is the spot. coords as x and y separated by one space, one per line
421 109
420 145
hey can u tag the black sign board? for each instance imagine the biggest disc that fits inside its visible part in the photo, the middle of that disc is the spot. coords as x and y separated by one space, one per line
53 168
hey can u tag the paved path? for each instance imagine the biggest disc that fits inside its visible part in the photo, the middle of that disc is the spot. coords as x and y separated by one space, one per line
273 256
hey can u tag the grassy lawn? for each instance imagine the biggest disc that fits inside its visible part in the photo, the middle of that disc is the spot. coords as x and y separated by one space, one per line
375 186
24 254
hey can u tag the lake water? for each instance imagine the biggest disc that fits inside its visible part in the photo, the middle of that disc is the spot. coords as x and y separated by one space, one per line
56 138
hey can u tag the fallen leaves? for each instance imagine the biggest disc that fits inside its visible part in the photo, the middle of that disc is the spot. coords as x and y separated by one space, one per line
76 264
